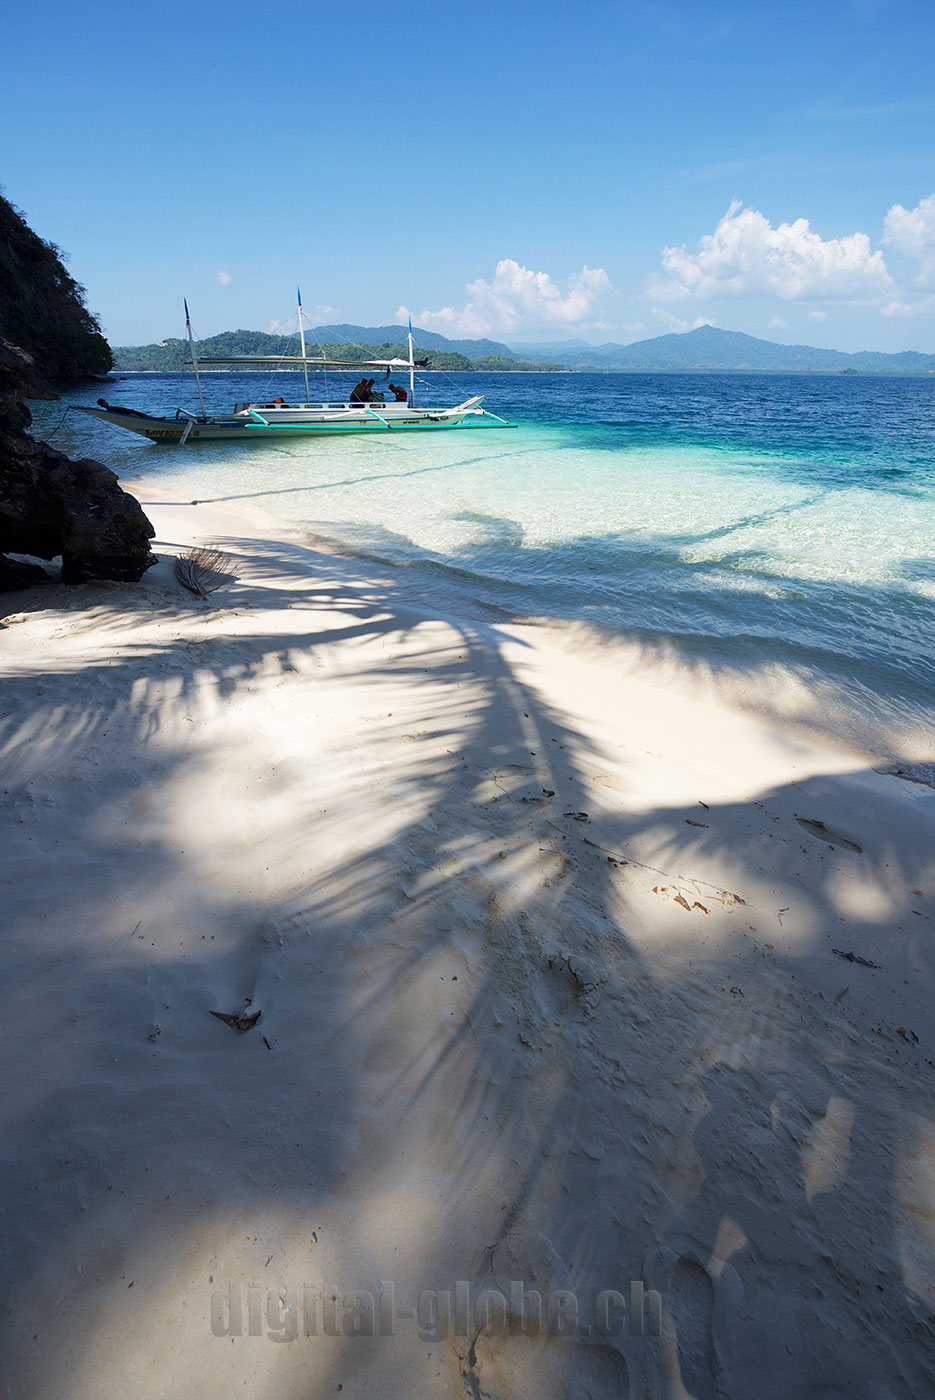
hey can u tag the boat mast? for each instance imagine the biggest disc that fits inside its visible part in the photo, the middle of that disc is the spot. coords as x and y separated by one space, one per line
298 293
191 350
412 370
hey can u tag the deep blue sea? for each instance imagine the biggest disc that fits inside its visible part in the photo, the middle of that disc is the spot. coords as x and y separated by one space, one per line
767 541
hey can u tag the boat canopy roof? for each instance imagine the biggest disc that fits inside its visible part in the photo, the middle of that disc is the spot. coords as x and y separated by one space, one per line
319 361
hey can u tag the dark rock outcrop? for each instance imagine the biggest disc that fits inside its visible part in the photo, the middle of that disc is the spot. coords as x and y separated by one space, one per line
16 574
50 505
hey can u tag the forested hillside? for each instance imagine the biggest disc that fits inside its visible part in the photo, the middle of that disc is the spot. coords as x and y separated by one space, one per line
172 355
42 308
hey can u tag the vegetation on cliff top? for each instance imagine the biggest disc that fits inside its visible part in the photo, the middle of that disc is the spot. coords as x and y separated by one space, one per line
42 307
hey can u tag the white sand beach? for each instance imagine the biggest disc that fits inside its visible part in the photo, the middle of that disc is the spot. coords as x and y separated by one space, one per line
553 991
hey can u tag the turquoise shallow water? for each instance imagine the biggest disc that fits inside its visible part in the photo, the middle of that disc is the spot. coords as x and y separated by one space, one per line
770 539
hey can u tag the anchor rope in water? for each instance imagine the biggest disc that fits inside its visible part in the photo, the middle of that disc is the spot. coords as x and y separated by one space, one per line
68 409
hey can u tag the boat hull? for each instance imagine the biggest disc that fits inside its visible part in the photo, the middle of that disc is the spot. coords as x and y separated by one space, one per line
252 425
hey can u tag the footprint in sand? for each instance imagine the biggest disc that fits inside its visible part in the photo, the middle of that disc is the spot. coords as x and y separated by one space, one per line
544 1366
691 1303
570 978
824 833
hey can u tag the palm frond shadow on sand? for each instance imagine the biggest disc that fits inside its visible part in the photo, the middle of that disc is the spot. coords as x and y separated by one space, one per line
485 1063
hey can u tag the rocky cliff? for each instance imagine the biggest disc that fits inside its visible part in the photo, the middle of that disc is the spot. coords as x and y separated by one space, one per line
51 506
42 307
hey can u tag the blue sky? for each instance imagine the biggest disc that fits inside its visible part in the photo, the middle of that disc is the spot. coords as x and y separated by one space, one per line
528 172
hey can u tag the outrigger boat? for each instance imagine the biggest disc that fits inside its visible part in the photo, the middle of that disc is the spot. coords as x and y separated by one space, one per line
250 422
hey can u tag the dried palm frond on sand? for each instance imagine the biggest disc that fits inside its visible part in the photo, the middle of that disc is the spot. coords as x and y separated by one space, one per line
202 571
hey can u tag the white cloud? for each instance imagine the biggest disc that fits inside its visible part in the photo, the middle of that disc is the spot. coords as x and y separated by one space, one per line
676 323
818 315
519 299
912 232
896 308
746 256
922 306
224 277
777 323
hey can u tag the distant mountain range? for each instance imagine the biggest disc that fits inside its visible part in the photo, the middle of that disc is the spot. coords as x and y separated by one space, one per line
344 342
701 350
708 348
396 335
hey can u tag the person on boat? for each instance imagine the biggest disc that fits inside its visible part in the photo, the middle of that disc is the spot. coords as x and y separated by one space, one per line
359 393
399 393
